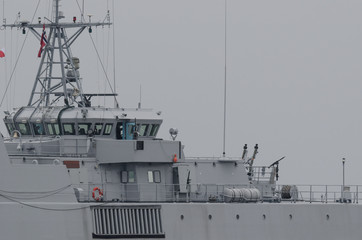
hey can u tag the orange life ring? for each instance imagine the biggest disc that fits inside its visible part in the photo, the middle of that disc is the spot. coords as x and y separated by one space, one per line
100 194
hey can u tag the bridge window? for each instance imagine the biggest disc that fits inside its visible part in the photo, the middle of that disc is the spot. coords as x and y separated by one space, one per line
53 128
38 129
108 129
10 127
98 128
83 128
56 128
154 129
24 129
143 129
68 128
50 129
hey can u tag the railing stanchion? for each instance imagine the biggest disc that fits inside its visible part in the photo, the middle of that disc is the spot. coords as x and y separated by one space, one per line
310 194
357 194
326 194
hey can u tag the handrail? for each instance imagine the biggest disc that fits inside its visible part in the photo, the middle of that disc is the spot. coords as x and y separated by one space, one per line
151 192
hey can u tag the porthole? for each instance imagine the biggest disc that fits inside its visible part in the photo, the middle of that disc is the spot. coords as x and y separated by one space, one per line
182 217
210 216
290 216
264 216
237 216
327 216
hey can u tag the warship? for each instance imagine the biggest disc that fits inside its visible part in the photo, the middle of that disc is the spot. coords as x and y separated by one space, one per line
72 170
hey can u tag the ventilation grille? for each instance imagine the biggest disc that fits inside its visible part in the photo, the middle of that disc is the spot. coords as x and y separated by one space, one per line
127 222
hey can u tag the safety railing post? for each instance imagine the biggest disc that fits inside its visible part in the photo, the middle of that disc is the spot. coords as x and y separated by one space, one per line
357 194
310 194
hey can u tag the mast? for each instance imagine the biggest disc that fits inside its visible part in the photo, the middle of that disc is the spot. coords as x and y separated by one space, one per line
57 76
225 78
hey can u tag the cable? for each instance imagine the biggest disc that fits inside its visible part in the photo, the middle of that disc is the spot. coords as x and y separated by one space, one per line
105 73
37 197
17 60
52 209
114 54
56 190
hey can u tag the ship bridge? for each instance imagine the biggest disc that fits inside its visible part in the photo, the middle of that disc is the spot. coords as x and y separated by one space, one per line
114 123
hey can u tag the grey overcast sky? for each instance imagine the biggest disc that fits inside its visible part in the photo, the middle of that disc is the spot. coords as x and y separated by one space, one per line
293 71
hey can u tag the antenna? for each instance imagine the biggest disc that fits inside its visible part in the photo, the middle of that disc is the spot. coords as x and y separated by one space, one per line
114 55
58 79
82 17
224 134
140 102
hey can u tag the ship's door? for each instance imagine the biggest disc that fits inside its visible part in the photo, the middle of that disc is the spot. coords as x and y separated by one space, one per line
129 130
119 131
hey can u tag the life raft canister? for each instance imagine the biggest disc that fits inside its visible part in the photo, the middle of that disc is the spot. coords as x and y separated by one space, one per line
100 194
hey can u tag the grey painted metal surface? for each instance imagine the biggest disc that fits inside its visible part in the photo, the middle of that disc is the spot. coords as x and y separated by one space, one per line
83 172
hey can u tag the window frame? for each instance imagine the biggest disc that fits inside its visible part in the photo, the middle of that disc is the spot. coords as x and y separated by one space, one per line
143 133
155 179
89 126
37 132
105 129
154 129
124 176
72 126
150 176
27 129
10 127
100 130
133 177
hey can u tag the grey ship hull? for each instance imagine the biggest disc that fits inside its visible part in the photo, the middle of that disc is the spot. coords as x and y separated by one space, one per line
308 221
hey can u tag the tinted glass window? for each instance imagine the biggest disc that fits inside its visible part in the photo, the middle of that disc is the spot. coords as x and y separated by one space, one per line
24 129
38 129
150 176
154 129
143 130
10 127
68 128
98 128
83 128
108 129
56 129
50 129
157 176
131 177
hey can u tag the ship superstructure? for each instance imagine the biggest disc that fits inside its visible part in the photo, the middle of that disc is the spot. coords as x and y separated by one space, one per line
103 173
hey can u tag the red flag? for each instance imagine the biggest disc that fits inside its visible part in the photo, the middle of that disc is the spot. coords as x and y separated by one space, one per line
42 41
2 53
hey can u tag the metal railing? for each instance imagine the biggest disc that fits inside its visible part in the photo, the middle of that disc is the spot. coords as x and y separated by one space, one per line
324 193
215 193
